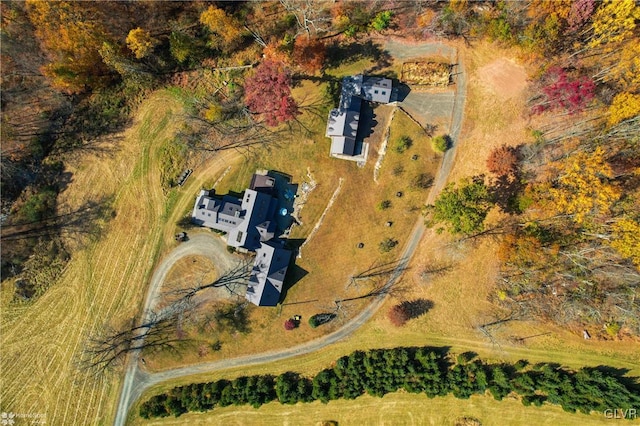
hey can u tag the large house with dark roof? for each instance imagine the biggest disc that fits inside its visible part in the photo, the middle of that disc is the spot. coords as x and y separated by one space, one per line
344 121
267 275
248 221
250 225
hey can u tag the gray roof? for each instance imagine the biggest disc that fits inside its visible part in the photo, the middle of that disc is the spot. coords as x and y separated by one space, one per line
268 273
259 208
247 221
343 122
377 89
221 214
262 183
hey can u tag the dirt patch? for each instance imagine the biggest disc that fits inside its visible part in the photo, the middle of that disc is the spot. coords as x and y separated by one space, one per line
504 77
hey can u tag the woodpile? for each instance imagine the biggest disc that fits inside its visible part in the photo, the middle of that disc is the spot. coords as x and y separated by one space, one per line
426 73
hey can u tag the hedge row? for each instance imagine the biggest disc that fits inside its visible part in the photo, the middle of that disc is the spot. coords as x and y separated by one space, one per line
417 370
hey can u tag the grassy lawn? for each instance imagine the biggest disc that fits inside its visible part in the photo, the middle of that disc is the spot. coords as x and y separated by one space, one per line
323 273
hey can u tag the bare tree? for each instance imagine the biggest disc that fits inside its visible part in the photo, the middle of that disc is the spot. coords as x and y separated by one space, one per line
232 280
312 16
110 346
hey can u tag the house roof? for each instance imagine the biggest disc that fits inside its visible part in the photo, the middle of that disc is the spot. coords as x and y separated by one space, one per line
343 122
221 214
268 273
247 221
259 208
262 183
377 89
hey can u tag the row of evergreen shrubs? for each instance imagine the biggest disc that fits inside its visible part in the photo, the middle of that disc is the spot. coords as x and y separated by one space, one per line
417 370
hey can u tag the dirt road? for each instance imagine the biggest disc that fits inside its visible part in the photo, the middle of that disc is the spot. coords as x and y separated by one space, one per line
137 381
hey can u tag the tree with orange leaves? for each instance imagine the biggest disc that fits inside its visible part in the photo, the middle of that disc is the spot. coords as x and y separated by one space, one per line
308 54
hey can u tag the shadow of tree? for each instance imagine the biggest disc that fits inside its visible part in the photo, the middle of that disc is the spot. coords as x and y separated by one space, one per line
341 54
505 190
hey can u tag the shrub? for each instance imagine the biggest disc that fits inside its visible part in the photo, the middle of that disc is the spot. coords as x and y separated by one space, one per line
382 20
289 324
320 319
440 143
612 329
384 204
387 245
38 206
403 143
422 181
398 170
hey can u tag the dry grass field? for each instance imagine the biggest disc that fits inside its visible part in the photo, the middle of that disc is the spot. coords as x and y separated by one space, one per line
106 281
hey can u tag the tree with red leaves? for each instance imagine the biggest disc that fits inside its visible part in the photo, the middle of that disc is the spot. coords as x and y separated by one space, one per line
581 11
290 324
560 91
404 311
309 54
268 93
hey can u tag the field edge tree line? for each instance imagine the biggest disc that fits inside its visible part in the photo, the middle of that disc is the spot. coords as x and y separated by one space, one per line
431 371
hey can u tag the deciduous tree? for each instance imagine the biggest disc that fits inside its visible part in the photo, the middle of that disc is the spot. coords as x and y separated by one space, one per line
268 93
308 54
613 22
626 239
583 188
140 42
625 105
561 91
224 28
503 161
70 34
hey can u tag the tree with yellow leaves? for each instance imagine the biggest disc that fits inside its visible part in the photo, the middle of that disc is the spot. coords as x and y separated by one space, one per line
583 188
72 36
613 22
223 27
140 42
624 105
626 239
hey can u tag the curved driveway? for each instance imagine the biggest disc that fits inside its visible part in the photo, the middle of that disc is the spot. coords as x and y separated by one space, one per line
137 381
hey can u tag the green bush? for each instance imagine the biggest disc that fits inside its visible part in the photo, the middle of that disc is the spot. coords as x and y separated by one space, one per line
403 143
38 206
384 205
320 319
382 20
440 143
